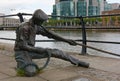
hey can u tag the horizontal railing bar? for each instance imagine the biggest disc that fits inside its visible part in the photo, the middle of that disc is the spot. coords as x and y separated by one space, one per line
62 27
80 40
85 16
65 16
100 41
77 16
8 15
101 16
74 40
102 28
26 14
100 50
7 39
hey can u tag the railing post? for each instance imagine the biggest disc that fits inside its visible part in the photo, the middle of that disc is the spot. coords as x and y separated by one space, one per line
84 49
20 17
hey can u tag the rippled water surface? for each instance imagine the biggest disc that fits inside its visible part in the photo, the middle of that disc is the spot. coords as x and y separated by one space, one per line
91 35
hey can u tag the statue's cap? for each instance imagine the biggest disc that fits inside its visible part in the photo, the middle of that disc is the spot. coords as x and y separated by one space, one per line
40 15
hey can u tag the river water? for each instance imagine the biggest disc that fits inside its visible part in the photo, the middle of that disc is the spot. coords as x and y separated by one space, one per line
91 35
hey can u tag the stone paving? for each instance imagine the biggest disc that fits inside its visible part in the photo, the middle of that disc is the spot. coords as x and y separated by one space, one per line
101 69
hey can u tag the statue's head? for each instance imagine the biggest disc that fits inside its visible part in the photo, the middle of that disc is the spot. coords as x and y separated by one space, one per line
39 17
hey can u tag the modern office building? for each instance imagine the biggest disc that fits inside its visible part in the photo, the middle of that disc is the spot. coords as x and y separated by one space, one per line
107 6
101 5
80 7
93 8
64 8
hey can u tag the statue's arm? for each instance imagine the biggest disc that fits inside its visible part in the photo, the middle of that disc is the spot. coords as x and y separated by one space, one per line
50 34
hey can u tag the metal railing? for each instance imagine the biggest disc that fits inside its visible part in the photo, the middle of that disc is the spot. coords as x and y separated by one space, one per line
83 40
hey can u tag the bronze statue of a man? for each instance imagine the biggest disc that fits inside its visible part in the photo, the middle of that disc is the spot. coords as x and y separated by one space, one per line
25 49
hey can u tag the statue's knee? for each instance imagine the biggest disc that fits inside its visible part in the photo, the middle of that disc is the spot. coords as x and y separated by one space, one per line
30 70
56 50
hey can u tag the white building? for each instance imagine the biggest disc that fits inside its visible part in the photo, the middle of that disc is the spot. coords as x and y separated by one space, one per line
8 21
1 19
11 22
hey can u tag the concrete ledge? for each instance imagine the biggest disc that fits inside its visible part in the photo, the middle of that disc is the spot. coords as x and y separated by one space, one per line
101 68
7 47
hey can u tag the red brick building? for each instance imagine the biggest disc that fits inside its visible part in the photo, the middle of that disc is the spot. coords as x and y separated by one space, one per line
111 20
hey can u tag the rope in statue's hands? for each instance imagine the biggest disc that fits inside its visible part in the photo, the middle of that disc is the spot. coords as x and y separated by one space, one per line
72 42
98 49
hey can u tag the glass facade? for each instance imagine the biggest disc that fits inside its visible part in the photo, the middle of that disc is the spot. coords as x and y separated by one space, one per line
80 7
65 8
107 7
54 10
90 2
93 10
65 0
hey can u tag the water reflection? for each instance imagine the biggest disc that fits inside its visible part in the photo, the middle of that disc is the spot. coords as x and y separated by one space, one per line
91 35
82 79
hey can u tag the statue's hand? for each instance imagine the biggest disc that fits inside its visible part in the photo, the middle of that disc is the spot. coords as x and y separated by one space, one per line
72 42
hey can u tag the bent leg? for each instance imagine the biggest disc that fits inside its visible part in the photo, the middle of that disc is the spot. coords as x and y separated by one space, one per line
24 62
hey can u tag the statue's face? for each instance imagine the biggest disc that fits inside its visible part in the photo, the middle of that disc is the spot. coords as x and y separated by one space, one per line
38 22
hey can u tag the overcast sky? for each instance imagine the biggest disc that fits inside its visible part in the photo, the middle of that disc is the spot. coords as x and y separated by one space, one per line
28 6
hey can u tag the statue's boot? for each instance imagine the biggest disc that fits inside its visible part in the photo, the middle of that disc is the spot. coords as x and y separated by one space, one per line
79 63
83 64
30 71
